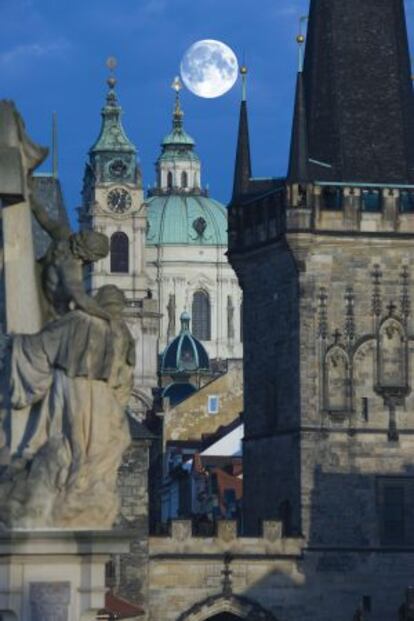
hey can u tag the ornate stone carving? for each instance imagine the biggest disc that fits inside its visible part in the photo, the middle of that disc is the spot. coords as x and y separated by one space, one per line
323 313
405 293
181 530
349 314
376 275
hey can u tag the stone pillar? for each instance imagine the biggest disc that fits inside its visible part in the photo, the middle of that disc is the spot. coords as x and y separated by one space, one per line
19 156
56 575
23 314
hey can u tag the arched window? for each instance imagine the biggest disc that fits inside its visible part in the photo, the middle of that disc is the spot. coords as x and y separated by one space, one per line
184 179
120 253
201 316
170 180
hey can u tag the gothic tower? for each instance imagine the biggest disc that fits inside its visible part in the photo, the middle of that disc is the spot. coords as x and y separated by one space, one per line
324 260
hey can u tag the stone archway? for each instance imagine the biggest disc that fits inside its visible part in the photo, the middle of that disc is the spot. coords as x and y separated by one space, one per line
221 608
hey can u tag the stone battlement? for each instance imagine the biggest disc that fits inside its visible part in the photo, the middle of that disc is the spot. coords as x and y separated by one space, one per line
181 541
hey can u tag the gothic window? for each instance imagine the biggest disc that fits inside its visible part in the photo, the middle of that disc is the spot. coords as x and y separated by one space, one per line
337 368
170 180
184 180
392 355
119 253
201 314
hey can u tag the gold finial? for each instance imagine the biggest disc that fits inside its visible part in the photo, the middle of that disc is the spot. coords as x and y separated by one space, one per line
300 39
243 70
177 85
112 64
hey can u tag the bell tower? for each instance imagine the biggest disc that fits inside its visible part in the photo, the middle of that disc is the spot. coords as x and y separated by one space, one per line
113 202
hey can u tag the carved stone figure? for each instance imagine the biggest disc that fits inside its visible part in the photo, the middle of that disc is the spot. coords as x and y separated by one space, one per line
230 318
76 376
61 268
67 378
171 316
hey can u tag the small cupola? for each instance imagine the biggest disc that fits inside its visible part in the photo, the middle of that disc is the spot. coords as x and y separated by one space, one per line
185 355
178 167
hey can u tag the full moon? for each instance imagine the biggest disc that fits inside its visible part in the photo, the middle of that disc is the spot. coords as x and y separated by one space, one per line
209 68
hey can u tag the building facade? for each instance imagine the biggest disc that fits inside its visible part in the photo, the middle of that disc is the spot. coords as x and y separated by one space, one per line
186 249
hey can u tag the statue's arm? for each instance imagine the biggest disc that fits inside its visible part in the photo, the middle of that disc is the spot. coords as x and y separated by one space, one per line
56 230
75 290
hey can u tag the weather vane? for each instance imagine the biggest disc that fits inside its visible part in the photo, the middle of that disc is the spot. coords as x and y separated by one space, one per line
112 64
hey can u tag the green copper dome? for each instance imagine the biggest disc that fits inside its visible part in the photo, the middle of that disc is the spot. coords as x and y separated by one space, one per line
181 219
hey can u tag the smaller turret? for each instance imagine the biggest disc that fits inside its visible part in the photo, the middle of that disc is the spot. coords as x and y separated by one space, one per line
178 167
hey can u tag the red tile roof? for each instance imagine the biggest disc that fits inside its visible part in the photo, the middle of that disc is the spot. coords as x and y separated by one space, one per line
121 608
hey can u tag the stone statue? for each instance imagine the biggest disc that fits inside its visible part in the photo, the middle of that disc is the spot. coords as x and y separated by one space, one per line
171 316
65 385
76 375
230 318
62 267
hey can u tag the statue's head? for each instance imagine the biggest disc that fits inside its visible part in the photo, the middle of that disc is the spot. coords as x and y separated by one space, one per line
89 246
111 299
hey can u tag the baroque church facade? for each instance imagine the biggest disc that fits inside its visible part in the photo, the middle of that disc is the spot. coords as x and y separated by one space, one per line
167 250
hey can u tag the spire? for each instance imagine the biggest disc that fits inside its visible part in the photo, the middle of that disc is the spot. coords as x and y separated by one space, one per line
359 95
299 154
178 135
243 168
112 136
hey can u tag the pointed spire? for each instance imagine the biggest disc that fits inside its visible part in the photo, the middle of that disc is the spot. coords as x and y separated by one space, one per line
243 168
112 136
359 93
299 152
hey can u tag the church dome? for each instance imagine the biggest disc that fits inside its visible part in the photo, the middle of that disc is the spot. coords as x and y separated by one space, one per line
183 219
185 354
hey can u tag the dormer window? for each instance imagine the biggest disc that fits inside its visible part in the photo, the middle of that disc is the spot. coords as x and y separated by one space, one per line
184 180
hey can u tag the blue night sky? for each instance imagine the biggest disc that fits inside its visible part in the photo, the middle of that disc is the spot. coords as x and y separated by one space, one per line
52 58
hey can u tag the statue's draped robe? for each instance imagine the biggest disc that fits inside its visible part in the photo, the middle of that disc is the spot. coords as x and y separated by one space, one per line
76 374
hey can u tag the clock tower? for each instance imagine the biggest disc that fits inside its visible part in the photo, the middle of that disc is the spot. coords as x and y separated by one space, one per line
113 204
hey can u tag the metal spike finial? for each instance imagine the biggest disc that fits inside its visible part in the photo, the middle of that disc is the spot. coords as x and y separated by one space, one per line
243 73
300 40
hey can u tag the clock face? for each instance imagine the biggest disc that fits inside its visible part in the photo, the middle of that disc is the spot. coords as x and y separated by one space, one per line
119 200
118 168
